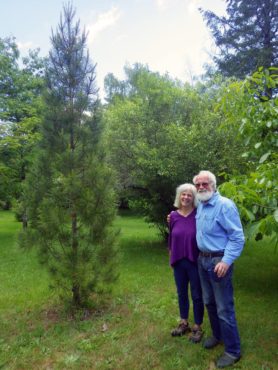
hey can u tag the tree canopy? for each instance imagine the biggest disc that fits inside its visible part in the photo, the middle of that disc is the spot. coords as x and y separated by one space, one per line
247 37
255 191
21 85
165 131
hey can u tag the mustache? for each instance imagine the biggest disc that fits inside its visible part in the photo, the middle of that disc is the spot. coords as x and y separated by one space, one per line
204 195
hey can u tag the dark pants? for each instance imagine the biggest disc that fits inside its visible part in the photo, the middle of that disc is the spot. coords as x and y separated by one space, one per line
219 301
186 272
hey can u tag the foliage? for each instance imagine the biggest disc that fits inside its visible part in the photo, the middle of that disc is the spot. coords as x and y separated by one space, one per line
21 86
246 37
256 192
160 133
69 196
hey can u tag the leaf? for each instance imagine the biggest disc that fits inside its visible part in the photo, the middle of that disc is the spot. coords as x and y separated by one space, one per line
264 98
275 214
250 215
264 157
257 145
255 209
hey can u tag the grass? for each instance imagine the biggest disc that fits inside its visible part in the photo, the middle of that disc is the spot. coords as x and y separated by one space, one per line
133 330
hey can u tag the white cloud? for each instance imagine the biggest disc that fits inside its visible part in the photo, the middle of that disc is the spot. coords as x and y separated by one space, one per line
165 4
104 20
162 4
24 46
193 6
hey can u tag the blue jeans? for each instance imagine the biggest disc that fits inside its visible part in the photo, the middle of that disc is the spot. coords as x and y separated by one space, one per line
219 300
186 272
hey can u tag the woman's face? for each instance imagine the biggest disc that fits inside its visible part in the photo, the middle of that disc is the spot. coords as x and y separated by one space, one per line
186 198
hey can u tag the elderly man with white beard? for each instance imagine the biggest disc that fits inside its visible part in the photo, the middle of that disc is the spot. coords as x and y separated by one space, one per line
220 240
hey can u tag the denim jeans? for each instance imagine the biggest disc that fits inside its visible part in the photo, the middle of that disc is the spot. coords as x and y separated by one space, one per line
186 272
219 300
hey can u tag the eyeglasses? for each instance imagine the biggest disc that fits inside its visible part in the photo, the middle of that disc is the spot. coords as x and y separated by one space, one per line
203 184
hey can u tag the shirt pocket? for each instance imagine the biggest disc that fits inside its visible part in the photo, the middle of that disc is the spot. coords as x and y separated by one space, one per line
208 223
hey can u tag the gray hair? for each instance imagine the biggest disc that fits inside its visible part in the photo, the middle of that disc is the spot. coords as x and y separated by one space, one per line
185 187
211 177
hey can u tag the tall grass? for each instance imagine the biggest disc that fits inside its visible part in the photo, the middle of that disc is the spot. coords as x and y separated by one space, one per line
133 330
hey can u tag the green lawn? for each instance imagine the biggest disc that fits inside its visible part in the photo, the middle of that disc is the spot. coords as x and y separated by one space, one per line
133 330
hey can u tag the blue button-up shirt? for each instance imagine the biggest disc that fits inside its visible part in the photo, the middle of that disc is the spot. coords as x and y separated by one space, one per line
219 228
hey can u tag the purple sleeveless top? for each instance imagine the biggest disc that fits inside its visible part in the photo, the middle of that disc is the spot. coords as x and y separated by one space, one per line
182 238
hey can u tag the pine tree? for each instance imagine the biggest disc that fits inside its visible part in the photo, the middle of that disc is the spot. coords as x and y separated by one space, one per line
69 194
247 37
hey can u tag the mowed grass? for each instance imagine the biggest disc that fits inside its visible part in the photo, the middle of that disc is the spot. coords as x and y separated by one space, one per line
132 331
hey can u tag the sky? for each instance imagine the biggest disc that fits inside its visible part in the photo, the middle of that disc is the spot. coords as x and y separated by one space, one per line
170 36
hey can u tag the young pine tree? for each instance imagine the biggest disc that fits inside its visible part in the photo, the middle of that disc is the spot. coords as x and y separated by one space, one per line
69 192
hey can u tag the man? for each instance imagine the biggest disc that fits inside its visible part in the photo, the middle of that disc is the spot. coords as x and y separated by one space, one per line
220 240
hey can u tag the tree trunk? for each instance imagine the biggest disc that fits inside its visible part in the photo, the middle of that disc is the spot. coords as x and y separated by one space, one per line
76 298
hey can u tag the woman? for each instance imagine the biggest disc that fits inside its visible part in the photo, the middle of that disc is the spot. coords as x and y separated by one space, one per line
183 258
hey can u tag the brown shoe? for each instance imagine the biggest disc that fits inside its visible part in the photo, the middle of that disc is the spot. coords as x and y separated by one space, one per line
181 330
196 335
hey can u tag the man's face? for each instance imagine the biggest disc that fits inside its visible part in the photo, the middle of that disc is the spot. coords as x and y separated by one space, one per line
204 188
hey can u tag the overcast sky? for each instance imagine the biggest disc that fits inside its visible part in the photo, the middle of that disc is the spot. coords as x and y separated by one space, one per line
167 35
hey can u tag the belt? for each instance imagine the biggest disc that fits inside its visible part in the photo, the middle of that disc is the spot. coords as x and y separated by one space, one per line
211 254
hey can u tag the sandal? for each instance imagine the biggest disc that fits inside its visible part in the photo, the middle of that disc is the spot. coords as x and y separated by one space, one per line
181 330
196 335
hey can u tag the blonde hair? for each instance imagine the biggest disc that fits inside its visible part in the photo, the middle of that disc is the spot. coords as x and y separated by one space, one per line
185 187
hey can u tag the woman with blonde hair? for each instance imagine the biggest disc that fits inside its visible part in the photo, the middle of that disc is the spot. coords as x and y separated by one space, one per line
183 253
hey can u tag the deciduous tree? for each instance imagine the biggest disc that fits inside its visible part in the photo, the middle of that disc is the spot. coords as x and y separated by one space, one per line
160 133
255 119
21 85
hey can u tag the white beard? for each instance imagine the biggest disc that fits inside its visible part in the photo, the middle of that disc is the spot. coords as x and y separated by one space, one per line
204 196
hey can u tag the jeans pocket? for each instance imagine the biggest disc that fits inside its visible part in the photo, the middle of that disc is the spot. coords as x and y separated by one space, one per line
212 274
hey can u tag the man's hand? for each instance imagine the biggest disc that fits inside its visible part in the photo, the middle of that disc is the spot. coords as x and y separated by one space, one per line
221 269
168 218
